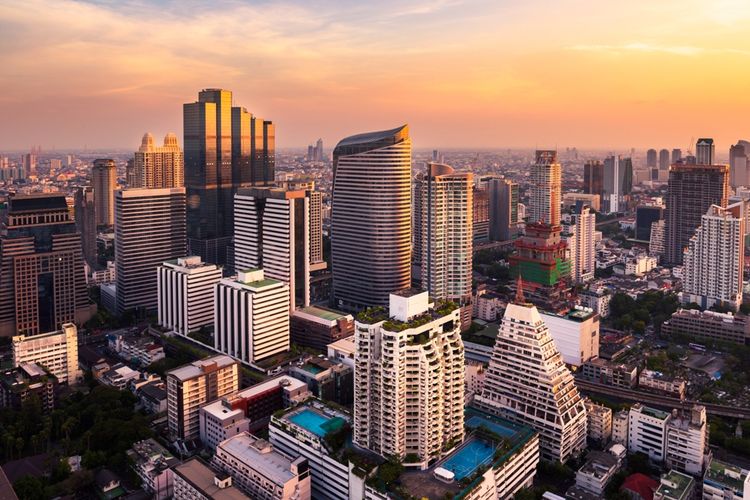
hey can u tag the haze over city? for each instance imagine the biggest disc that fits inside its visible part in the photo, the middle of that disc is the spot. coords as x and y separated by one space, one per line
462 73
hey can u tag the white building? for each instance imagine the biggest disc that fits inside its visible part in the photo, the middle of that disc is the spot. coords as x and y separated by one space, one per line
342 351
597 299
687 441
55 351
580 238
596 472
715 259
528 382
639 265
191 386
409 378
576 334
599 422
186 294
647 431
545 191
261 471
153 464
723 481
251 319
620 427
656 241
195 480
474 379
657 381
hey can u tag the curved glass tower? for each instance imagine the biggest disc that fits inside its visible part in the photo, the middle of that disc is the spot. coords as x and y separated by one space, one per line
371 218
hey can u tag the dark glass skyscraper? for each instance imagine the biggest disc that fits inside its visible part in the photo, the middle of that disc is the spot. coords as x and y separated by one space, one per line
225 148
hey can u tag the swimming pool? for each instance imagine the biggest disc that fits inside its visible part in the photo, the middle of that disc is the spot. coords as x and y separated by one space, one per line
311 421
467 459
501 430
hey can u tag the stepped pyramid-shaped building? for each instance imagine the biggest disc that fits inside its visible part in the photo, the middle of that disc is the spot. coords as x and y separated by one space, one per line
528 383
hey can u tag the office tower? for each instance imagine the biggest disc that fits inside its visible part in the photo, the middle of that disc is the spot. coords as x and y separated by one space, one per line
225 147
480 215
645 216
617 185
528 383
185 291
272 232
739 164
692 189
704 151
29 164
582 245
651 161
149 230
56 351
676 155
158 166
319 150
663 159
715 259
85 215
316 217
593 177
503 202
409 378
261 471
251 318
544 193
193 385
445 232
42 279
371 218
310 152
103 180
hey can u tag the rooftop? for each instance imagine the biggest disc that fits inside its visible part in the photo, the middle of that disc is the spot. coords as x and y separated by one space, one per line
37 202
724 474
371 140
651 412
201 477
675 485
260 455
315 312
201 367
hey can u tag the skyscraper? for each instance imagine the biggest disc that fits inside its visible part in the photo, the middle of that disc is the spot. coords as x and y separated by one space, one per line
739 164
676 155
715 258
85 215
225 147
545 191
704 151
645 216
651 158
371 218
103 180
149 230
480 213
409 378
580 237
593 177
618 184
42 280
503 201
446 233
29 164
158 166
527 382
663 159
692 189
319 150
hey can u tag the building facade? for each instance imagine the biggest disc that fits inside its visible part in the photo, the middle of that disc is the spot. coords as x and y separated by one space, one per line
158 166
56 351
104 181
545 192
580 237
503 209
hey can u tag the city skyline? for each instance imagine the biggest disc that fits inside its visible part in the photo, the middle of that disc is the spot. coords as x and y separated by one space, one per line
592 87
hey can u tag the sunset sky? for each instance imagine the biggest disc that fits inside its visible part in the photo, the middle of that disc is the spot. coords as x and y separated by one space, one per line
462 73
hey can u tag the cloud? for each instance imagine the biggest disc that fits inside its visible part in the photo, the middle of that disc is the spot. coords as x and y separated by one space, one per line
639 47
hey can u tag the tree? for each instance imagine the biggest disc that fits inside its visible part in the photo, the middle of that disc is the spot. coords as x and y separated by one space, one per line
639 326
30 488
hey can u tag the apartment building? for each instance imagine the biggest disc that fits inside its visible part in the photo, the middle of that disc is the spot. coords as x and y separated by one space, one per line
55 351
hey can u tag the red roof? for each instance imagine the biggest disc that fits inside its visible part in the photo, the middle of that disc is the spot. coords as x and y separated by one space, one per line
641 485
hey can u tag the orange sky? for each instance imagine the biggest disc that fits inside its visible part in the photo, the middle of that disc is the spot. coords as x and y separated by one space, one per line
462 73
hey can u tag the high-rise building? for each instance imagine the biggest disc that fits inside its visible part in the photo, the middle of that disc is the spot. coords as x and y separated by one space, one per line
617 185
715 259
29 164
371 218
319 150
580 237
42 278
593 177
56 351
657 239
739 164
418 344
104 180
692 189
272 232
225 147
445 232
527 382
545 195
158 166
704 151
85 215
251 318
664 159
185 290
149 230
193 385
651 158
480 215
645 216
676 155
503 201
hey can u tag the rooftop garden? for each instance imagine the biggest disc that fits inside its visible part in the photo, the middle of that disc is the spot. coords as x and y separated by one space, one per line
372 315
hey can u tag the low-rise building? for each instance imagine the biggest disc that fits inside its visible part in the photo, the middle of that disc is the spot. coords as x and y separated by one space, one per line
486 304
596 472
675 485
723 481
326 380
119 376
687 440
599 422
153 396
55 351
261 471
342 351
27 380
659 382
620 427
196 480
606 372
576 334
474 379
639 265
597 299
316 326
153 464
134 348
726 327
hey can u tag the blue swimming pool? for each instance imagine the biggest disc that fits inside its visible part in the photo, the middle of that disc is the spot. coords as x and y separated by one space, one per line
496 427
311 421
467 459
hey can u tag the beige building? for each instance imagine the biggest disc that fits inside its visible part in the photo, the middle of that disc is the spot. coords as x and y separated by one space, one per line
104 181
599 422
55 351
191 386
545 191
158 166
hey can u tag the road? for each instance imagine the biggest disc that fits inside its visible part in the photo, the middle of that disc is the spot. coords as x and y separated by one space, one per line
610 221
665 402
492 244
